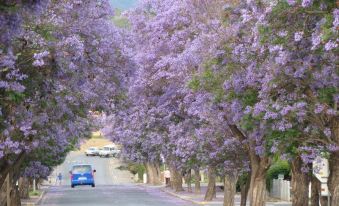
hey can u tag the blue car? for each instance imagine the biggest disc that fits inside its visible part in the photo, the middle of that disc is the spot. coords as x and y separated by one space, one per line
82 175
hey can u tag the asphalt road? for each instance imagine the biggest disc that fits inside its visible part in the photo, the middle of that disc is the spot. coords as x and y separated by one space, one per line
113 187
118 195
106 170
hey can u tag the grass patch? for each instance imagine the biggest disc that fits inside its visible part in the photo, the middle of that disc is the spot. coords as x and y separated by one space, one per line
34 193
96 135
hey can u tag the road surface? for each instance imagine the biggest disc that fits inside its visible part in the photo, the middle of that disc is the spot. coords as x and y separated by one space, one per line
113 187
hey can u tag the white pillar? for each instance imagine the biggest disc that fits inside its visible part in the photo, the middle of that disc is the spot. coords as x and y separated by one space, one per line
202 177
145 178
34 185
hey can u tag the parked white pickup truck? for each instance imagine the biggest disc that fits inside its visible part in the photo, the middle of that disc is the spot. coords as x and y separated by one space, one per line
92 151
109 151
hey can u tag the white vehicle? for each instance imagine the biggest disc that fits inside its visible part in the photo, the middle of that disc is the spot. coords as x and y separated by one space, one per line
109 150
92 151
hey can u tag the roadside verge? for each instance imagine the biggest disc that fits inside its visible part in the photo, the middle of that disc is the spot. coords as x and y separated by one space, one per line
34 200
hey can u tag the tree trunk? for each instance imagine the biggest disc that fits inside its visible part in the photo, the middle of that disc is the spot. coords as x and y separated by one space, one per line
211 190
229 189
315 191
197 188
188 178
176 179
300 182
6 168
259 167
244 191
153 173
15 197
24 187
323 201
333 179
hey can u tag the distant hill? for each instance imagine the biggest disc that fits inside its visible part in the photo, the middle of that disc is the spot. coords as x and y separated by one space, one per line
123 4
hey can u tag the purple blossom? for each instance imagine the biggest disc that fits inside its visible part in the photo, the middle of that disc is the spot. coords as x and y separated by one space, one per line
260 150
246 16
282 57
36 170
331 112
333 148
336 98
41 55
306 3
291 2
4 85
330 45
327 132
298 36
319 108
305 169
38 63
282 33
259 108
270 115
316 39
248 110
336 18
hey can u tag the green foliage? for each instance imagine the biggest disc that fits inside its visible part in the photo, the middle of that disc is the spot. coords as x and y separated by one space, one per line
119 20
326 95
327 32
281 7
250 97
15 97
96 135
279 167
46 31
8 7
194 84
134 168
247 122
212 82
242 181
265 33
34 193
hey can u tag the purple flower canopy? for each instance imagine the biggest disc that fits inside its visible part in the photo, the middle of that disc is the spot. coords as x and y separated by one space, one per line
182 80
52 77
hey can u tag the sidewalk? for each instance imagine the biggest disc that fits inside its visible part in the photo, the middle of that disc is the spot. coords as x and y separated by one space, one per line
35 200
198 199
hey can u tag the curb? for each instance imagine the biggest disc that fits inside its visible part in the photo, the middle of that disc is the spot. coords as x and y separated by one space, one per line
213 202
37 202
40 198
162 189
189 200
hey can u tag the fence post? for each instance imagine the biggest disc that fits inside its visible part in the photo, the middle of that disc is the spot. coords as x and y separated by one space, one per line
285 189
289 191
34 185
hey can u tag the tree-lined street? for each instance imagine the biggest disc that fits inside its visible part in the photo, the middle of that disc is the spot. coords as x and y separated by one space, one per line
223 100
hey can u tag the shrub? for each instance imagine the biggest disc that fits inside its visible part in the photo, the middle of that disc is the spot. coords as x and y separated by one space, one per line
279 167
